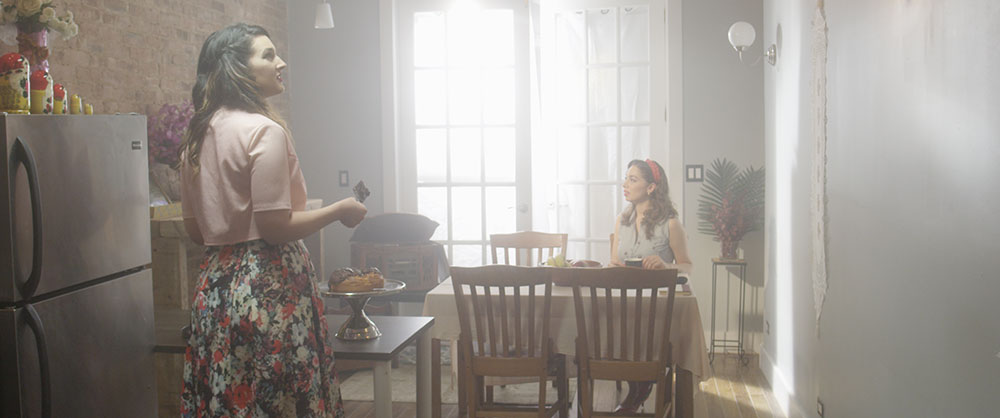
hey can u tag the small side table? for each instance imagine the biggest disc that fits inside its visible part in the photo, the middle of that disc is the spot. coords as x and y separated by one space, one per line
724 343
397 333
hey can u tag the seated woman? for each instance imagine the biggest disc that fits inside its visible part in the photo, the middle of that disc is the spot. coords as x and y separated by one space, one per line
648 229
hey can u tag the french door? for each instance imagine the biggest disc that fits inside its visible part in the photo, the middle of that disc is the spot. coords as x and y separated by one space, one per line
463 123
467 154
604 84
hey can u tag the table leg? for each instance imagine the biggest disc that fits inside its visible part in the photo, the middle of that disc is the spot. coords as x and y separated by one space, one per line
685 394
435 378
424 375
383 389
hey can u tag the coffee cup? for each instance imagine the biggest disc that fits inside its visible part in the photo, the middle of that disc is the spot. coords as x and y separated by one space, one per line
633 262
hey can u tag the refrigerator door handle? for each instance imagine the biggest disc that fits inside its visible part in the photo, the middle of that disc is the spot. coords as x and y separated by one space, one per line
35 323
20 153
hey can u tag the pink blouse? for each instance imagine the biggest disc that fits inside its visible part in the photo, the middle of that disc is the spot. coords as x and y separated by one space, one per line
247 165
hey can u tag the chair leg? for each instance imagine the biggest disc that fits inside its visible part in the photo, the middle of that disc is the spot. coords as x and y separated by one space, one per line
489 395
563 390
463 396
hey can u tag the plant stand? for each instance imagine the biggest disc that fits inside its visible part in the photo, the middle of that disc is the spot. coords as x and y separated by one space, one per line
724 343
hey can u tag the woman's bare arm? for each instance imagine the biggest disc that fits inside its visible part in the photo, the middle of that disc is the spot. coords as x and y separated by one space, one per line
280 226
678 243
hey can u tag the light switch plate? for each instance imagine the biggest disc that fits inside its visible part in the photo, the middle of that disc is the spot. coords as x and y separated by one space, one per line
344 178
695 172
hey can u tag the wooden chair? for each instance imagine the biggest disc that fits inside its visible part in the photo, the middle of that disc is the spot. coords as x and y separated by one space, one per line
499 338
641 349
538 246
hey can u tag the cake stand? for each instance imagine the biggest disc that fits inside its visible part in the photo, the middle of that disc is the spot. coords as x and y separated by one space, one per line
359 326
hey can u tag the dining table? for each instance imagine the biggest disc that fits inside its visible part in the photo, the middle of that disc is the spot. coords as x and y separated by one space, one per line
687 336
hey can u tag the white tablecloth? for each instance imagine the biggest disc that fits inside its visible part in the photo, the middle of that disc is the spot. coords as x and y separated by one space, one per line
686 332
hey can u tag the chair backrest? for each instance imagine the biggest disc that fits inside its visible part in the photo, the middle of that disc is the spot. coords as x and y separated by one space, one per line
497 322
611 288
538 247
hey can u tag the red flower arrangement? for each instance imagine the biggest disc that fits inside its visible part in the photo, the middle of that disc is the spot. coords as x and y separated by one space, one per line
731 204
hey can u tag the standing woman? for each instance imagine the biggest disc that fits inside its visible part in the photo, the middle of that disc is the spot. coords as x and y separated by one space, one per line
648 229
258 343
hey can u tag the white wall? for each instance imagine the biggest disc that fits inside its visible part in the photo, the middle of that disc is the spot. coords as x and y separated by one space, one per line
909 326
723 118
333 79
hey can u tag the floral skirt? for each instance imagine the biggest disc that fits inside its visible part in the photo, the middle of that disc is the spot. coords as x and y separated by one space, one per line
258 342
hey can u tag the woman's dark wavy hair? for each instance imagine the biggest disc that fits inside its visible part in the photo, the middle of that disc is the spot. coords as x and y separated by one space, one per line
224 80
661 207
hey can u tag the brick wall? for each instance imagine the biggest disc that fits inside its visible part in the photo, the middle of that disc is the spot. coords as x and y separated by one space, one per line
136 55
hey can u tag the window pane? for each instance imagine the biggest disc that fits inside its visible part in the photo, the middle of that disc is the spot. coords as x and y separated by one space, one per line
569 39
571 153
432 202
501 215
463 94
463 37
467 255
428 39
498 96
635 145
600 251
602 210
497 27
429 103
573 210
500 151
571 95
468 217
603 100
604 153
635 34
466 155
576 250
602 35
432 154
635 94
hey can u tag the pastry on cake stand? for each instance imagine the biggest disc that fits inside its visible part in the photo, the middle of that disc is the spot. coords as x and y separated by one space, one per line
359 326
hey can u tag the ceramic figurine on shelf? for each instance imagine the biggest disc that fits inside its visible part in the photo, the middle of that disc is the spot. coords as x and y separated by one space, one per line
58 94
41 92
74 105
14 83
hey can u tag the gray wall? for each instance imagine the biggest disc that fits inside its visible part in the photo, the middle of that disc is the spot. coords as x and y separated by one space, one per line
723 118
334 87
336 115
909 327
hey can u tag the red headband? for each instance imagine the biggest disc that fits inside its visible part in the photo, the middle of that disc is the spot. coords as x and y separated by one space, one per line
654 169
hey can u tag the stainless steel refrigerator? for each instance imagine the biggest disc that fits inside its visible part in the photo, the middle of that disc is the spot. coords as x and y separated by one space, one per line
76 297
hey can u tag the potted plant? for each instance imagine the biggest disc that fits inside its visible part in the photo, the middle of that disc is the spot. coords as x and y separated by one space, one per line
165 130
731 204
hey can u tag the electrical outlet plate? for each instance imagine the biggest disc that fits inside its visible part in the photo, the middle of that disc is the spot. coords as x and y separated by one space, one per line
819 407
695 173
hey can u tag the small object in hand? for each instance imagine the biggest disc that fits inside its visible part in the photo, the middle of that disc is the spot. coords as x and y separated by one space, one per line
361 192
633 262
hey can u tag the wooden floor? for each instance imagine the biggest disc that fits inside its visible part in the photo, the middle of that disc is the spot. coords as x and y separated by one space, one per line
733 391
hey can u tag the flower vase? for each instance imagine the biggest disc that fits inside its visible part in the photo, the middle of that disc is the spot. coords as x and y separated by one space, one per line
35 47
167 180
729 249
